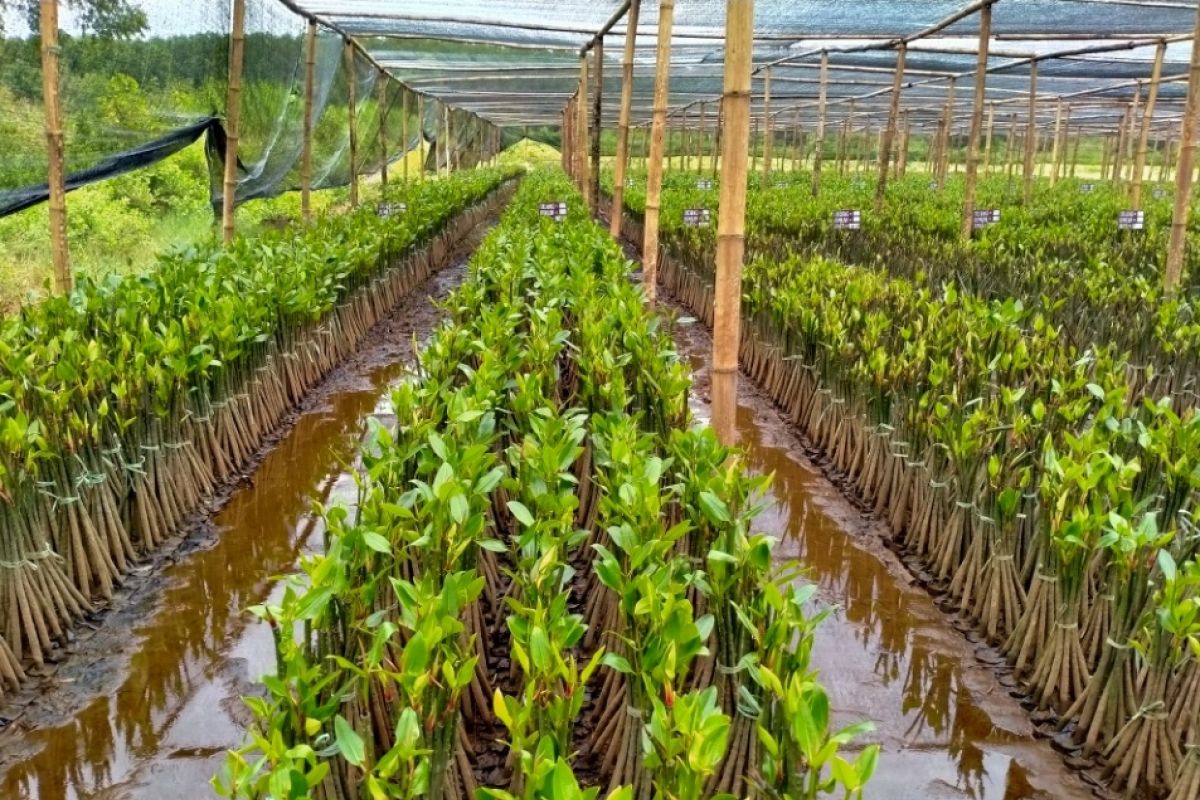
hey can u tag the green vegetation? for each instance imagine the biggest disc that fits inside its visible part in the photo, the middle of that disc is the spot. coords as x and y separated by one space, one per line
1021 410
128 401
541 526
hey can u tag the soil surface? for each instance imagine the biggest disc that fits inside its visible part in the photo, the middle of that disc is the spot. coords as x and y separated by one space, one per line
146 697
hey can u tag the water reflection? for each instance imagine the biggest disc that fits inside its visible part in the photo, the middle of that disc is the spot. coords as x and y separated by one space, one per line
162 730
887 654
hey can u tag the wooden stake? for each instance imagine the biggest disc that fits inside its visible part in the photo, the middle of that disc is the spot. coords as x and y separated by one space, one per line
446 131
597 124
654 166
233 113
581 133
731 218
1183 173
944 159
987 141
1058 143
56 173
621 167
981 64
1104 156
1139 164
753 148
889 132
819 145
421 138
716 141
351 103
1031 133
1010 145
768 127
701 146
383 150
902 158
1119 155
310 72
1075 151
404 128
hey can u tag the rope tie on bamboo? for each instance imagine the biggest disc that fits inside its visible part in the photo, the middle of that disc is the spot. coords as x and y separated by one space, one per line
1117 645
65 500
1066 626
29 560
88 478
636 713
1154 712
1047 578
177 445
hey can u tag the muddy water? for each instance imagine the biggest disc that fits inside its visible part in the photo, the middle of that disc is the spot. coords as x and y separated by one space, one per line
947 728
148 703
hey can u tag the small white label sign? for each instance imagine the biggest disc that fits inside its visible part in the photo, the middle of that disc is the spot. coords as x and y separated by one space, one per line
697 217
1131 220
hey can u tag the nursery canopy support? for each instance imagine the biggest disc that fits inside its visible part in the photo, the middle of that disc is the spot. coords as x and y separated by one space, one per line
237 46
654 168
48 22
621 167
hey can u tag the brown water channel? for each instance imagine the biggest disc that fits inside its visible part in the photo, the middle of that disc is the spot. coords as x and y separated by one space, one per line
887 654
150 702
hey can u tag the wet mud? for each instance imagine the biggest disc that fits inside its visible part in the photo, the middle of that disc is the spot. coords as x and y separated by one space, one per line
147 698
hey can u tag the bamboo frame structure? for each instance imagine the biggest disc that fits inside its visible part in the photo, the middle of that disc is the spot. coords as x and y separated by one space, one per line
731 217
889 132
620 168
1139 162
1118 165
902 156
404 131
987 141
1183 172
310 71
1030 134
943 165
352 111
233 113
1056 151
421 138
822 110
597 123
768 127
654 165
972 166
383 151
56 172
581 132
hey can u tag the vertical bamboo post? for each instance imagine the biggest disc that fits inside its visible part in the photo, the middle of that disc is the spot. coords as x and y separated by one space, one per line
844 167
1130 142
620 169
1139 164
581 132
1056 149
310 71
1075 141
1183 173
446 151
768 127
383 148
889 132
1165 163
352 111
1119 155
233 114
902 157
420 138
700 143
797 141
1010 145
48 27
987 140
716 141
753 139
404 128
1031 133
972 165
819 145
1105 156
597 124
654 168
731 218
944 156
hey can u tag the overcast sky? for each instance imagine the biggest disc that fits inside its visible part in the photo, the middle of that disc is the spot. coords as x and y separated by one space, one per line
172 17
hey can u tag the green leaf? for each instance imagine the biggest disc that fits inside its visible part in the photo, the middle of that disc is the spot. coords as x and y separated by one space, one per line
376 542
714 507
518 510
1167 564
617 662
349 743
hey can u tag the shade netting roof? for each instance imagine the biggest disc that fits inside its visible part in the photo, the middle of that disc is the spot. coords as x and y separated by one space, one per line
516 62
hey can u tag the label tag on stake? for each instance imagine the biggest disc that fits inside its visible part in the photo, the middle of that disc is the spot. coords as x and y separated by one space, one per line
1131 220
704 183
847 220
386 210
984 217
1087 187
1159 193
555 211
697 217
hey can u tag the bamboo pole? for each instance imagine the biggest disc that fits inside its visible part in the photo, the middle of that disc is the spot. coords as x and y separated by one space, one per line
1177 248
1058 143
351 105
446 151
233 113
1139 164
902 158
753 149
972 166
716 141
889 132
597 124
987 141
1030 133
383 150
654 167
1119 154
1010 145
620 169
797 142
1130 142
700 144
404 128
421 138
1075 141
844 166
1106 147
55 175
944 156
731 218
822 107
581 133
768 127
310 72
